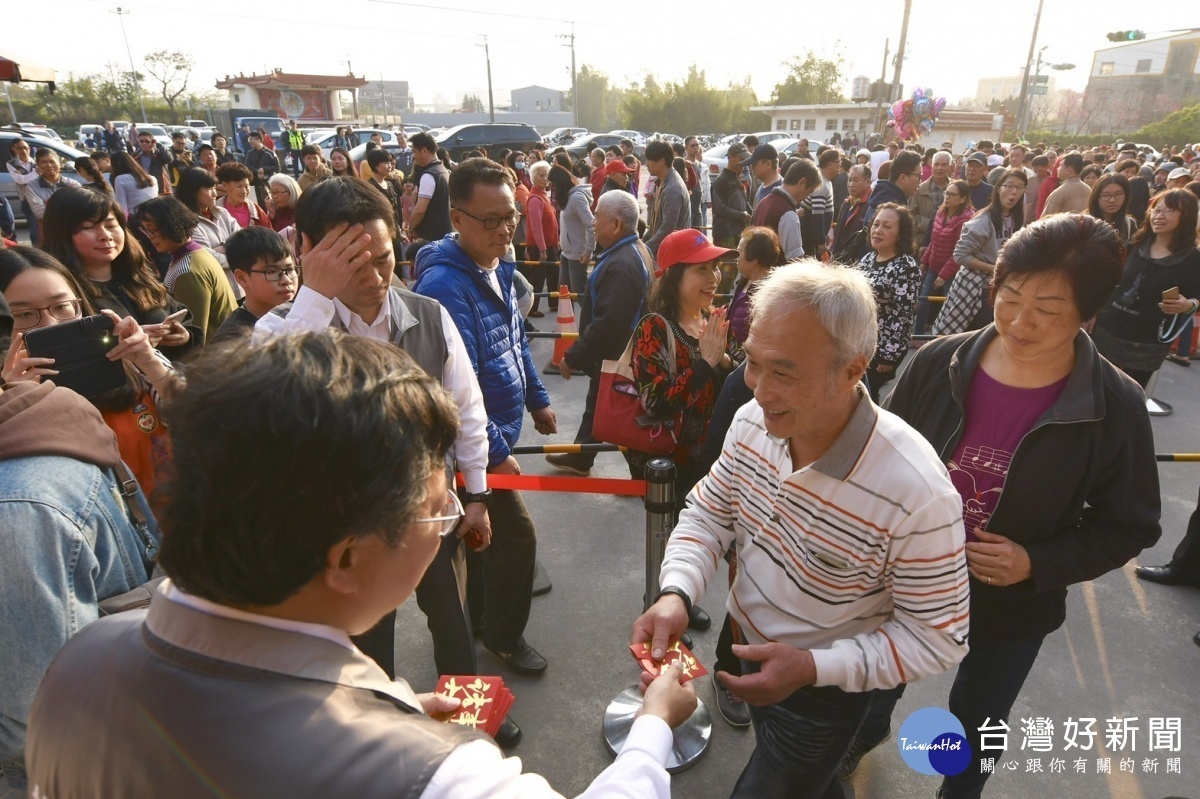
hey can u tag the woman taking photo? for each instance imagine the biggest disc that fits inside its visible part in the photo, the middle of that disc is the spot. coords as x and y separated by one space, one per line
541 231
340 163
968 306
1159 288
896 281
1031 392
575 224
758 253
131 185
1109 201
285 191
41 293
195 277
937 264
87 233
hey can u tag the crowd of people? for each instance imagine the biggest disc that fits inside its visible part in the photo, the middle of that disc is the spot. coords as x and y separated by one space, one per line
358 332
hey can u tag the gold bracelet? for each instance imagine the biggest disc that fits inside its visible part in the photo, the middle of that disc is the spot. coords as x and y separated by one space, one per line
153 380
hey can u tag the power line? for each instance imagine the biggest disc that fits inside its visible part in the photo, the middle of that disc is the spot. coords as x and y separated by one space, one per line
506 14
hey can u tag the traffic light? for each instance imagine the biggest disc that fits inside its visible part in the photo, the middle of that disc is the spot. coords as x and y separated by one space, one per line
1126 36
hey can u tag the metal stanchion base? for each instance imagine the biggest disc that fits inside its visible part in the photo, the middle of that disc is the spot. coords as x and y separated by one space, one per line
1156 407
691 737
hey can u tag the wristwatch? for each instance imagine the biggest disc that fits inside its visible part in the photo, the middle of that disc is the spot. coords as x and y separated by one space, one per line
679 592
485 497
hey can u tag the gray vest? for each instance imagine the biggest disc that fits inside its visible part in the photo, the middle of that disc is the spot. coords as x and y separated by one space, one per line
416 328
195 706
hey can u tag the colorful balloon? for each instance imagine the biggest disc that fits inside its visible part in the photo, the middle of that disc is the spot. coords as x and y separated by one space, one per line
938 105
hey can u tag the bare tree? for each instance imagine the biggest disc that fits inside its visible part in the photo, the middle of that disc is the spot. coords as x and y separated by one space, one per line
171 68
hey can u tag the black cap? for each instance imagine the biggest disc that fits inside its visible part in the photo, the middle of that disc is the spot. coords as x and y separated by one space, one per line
764 152
978 158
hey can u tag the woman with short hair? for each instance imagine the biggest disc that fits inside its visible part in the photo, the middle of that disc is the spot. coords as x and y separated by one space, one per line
1050 447
285 191
896 281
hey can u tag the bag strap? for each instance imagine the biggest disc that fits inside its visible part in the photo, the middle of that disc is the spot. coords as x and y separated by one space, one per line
141 523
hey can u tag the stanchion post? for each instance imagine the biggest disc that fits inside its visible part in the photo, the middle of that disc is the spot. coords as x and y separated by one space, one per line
690 738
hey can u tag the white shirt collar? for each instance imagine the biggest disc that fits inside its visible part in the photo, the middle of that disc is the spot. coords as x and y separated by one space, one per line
324 631
380 328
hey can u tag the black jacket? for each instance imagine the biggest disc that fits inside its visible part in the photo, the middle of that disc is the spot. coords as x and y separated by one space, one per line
730 205
1081 495
263 159
884 192
611 305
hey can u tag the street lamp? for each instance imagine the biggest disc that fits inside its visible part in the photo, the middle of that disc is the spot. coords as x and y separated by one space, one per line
137 85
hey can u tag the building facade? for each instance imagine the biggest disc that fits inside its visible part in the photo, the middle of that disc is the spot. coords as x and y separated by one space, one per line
1134 84
818 123
529 99
305 98
384 99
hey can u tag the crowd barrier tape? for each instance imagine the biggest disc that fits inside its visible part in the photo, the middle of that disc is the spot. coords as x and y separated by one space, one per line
1177 457
570 485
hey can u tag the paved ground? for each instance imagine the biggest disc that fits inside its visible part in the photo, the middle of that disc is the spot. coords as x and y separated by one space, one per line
1125 650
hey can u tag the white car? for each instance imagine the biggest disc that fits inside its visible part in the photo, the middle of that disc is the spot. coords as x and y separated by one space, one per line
158 132
632 135
718 157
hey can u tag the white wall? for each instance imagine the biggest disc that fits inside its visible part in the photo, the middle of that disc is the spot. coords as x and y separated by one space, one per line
1125 59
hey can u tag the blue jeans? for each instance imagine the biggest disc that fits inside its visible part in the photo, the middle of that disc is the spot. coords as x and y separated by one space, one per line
988 682
1183 347
924 315
800 742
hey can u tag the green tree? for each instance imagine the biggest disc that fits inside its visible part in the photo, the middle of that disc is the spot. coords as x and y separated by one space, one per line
690 106
598 99
171 69
472 104
811 81
1177 128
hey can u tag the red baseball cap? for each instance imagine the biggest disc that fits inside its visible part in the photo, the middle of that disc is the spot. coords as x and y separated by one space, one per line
687 247
617 165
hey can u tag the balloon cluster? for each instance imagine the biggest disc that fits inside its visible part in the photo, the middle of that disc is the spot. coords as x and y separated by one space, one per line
916 116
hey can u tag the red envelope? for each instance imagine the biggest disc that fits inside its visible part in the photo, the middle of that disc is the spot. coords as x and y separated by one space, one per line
676 651
485 701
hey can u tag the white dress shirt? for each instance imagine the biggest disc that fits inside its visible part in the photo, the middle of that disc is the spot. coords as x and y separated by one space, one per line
313 312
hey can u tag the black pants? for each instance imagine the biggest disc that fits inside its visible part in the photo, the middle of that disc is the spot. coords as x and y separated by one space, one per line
500 579
441 598
1186 559
584 434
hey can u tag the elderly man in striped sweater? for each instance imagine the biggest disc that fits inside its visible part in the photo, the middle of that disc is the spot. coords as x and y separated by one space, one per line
852 577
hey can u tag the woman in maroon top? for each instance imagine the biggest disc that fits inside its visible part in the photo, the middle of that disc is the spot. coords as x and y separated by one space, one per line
759 251
937 263
541 232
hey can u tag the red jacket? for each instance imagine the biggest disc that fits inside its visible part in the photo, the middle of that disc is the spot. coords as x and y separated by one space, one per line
541 223
939 255
1048 185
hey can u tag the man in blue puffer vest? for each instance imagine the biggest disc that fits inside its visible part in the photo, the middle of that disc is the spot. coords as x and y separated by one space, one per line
468 275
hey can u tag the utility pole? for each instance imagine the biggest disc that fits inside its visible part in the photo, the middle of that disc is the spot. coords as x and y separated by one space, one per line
11 110
900 52
137 84
887 48
488 55
383 99
574 86
353 92
1037 21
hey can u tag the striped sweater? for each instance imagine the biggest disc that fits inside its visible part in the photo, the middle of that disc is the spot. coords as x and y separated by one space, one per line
858 557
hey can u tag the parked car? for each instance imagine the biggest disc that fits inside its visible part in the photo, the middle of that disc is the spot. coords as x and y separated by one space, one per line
364 135
159 133
633 135
68 155
584 145
717 158
564 135
461 139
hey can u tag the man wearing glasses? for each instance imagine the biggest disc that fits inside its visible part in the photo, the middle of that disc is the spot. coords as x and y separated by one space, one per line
346 230
154 159
470 276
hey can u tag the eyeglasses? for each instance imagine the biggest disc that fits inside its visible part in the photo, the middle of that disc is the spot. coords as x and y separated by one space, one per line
953 194
275 275
493 222
1120 195
1013 187
451 514
63 311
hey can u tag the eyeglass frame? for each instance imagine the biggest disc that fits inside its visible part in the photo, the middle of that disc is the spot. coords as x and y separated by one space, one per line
452 497
494 222
295 270
77 303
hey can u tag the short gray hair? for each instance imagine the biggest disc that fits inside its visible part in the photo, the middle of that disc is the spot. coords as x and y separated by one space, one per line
539 167
289 183
840 296
949 156
622 206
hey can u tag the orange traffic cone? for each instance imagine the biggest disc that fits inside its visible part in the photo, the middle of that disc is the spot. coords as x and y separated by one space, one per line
566 324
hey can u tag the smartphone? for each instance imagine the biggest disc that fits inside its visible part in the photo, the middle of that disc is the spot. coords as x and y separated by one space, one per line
80 353
1171 293
175 317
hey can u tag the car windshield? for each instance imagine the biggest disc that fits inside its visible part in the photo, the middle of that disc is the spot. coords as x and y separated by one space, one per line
153 130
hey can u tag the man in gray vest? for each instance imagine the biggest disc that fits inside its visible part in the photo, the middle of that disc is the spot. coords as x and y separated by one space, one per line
312 493
430 220
346 229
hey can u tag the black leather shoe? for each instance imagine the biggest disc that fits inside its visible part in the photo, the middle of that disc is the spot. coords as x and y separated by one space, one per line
1196 639
524 660
698 619
687 641
1166 575
509 734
